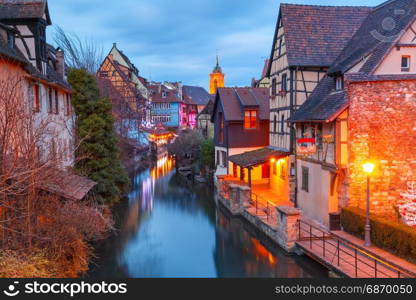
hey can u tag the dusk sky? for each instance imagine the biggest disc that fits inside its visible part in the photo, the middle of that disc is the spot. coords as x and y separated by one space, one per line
177 40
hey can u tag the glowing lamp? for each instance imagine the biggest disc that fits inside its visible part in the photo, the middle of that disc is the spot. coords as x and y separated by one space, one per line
368 167
272 160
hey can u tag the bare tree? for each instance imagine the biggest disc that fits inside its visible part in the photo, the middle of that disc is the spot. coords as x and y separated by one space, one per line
79 53
31 218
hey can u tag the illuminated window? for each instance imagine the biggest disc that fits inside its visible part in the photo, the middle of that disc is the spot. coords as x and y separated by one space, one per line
405 63
250 119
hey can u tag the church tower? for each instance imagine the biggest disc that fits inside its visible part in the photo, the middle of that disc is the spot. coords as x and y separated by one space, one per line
216 79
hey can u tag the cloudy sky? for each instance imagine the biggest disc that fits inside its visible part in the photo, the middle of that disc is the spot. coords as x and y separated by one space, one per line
177 40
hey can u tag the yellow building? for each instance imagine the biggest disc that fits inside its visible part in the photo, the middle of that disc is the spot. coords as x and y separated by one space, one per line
216 79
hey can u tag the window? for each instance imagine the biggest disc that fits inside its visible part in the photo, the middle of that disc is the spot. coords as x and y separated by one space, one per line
305 179
284 82
34 97
280 46
104 73
223 159
67 105
339 83
405 63
250 119
275 124
50 102
221 131
282 124
163 94
274 87
56 102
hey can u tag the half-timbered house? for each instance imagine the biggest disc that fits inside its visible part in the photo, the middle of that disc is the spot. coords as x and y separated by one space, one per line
36 72
306 42
119 80
363 111
241 119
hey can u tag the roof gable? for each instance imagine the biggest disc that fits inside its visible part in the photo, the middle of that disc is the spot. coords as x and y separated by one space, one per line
235 100
376 37
315 35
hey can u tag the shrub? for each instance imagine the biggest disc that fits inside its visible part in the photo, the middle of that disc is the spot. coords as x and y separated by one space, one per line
394 237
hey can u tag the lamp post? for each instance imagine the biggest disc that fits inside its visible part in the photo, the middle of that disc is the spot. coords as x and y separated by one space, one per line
368 169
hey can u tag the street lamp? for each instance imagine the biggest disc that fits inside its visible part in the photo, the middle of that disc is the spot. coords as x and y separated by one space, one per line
368 169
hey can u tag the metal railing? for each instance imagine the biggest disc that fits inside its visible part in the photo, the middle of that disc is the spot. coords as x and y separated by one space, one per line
262 206
343 252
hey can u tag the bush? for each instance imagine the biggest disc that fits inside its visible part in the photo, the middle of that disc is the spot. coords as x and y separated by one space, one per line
394 237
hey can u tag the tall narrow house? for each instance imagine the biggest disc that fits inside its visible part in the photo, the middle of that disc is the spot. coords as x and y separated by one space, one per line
364 111
306 42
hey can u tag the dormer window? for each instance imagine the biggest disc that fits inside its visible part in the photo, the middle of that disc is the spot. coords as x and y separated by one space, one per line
163 94
405 63
339 83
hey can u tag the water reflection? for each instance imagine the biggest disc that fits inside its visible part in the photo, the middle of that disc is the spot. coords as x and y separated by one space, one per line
171 228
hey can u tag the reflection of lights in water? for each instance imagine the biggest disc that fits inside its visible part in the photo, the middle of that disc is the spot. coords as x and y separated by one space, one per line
262 252
163 166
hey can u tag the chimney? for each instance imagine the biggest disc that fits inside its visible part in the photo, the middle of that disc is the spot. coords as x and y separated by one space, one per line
60 63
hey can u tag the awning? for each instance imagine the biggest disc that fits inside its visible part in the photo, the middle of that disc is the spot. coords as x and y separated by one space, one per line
257 157
68 185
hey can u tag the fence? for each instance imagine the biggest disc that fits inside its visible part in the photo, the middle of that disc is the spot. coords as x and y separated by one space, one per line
345 255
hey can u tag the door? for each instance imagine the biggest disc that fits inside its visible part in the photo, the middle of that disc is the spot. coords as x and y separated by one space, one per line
265 170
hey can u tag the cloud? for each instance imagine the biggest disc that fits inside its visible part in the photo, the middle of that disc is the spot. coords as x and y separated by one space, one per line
178 39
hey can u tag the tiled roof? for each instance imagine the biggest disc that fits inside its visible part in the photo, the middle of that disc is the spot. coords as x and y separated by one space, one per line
208 109
195 95
11 53
257 157
375 36
24 9
323 104
315 35
265 68
156 92
362 77
234 100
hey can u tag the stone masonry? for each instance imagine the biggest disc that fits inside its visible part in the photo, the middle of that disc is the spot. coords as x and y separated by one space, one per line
382 128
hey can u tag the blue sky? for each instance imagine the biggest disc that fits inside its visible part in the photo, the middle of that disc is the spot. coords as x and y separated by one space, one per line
177 40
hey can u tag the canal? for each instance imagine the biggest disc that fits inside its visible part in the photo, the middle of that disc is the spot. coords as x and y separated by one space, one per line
171 228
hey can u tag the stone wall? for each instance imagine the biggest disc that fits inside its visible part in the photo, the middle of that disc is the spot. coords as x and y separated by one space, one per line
382 128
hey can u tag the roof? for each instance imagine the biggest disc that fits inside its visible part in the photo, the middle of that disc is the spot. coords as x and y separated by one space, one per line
195 95
315 35
257 157
24 9
130 65
322 104
235 100
68 185
208 109
156 92
11 53
265 68
375 36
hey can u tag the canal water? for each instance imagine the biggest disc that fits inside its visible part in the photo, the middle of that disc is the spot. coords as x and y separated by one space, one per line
171 228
